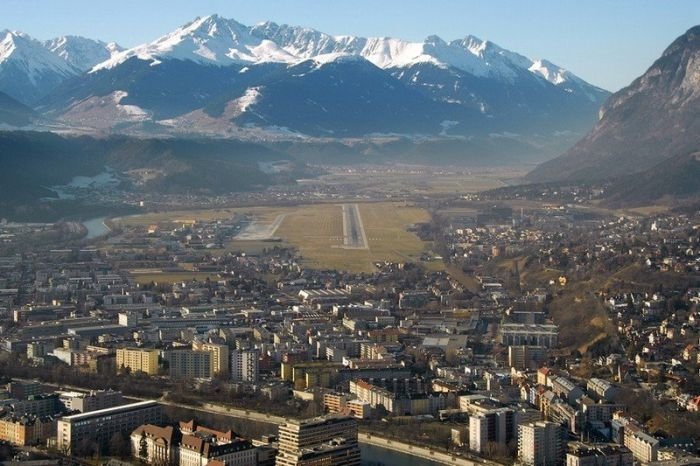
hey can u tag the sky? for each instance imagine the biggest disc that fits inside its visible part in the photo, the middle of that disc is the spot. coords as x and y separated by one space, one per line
606 42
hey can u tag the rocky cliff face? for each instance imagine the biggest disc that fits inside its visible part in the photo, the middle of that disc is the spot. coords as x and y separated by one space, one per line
655 118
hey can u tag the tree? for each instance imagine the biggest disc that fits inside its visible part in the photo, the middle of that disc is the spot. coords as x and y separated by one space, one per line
143 447
119 446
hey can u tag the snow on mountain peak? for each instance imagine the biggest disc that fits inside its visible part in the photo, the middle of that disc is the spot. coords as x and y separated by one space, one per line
30 55
219 41
80 52
549 71
209 40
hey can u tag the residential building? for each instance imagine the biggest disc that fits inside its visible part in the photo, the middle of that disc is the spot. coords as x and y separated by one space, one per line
189 364
327 440
600 389
204 448
495 426
526 357
26 430
138 360
245 365
220 364
600 455
541 444
100 426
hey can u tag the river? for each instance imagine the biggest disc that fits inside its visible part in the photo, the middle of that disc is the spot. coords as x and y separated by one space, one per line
96 227
378 456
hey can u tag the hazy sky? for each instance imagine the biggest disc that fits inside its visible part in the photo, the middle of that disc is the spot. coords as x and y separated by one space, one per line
608 43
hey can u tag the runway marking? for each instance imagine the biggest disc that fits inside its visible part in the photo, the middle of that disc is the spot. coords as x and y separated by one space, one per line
354 236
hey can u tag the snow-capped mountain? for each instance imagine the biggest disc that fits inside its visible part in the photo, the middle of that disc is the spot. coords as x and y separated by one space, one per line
209 40
221 41
80 52
27 69
217 76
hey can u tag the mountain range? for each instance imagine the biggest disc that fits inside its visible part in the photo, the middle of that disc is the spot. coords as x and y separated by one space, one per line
647 128
215 76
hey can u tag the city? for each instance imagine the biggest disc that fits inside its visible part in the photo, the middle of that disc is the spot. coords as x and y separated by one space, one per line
251 243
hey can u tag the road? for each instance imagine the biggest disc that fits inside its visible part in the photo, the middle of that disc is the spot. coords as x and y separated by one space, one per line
353 229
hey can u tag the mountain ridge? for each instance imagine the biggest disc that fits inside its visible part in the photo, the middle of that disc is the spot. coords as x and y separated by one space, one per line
655 118
217 77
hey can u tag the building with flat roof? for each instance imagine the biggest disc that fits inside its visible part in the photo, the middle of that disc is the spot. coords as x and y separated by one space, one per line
99 426
138 360
580 454
541 444
245 365
328 440
190 364
93 401
220 364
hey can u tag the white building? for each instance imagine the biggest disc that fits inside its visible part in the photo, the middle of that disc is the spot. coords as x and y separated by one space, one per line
244 366
541 444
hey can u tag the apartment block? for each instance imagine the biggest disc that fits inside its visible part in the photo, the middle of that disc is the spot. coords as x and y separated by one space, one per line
328 440
245 366
138 360
100 426
541 444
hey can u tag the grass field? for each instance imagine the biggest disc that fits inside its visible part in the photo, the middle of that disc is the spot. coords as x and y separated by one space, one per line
171 277
175 216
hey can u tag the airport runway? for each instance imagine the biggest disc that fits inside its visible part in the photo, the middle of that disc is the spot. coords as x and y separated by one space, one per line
353 230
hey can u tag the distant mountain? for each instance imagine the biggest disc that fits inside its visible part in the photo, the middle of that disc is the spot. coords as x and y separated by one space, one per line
80 52
14 113
215 76
28 71
654 119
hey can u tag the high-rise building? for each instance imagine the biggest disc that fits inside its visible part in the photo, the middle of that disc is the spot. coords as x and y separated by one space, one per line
541 444
493 426
219 358
327 440
244 365
190 364
99 426
138 360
